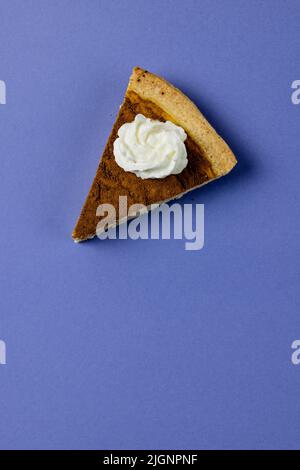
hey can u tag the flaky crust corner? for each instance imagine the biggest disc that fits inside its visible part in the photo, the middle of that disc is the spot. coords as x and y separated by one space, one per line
186 114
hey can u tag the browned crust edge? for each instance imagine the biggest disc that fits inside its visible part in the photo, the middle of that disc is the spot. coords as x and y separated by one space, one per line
186 114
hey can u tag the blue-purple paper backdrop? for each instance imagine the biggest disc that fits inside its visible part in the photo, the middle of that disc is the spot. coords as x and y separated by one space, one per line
141 344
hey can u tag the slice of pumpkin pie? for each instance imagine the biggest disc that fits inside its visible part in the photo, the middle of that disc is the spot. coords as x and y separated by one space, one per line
160 147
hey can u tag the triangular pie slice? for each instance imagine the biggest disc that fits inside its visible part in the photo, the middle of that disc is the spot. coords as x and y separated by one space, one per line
209 157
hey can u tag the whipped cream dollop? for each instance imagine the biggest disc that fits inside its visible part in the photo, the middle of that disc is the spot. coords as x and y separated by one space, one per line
150 148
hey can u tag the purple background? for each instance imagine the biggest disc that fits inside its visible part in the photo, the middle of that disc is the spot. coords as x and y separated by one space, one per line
141 344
